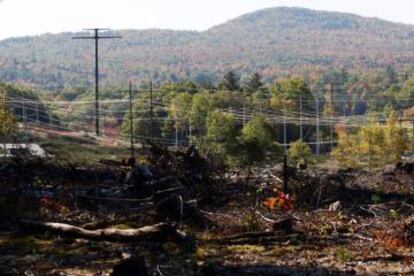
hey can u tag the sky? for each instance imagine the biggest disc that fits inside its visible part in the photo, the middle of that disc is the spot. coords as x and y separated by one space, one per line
33 17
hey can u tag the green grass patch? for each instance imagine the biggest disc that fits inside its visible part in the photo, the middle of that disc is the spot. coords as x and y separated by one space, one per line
81 150
247 248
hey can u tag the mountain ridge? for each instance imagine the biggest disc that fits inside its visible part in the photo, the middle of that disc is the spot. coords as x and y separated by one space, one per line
281 8
271 41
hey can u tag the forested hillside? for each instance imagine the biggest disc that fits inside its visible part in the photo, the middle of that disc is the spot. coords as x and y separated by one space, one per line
273 42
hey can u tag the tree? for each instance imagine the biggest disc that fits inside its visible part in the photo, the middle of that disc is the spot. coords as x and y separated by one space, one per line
287 94
404 95
253 83
299 152
142 123
7 125
371 144
345 151
230 82
202 105
180 87
180 109
396 139
366 147
409 114
220 140
258 130
257 144
392 76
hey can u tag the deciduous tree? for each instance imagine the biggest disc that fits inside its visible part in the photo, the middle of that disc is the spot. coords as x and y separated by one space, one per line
7 121
287 94
396 138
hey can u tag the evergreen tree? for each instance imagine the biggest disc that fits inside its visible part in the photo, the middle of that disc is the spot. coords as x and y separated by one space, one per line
221 143
230 82
253 83
391 75
299 152
257 143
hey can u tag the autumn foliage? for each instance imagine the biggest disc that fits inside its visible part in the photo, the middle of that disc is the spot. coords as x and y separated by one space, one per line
373 145
281 202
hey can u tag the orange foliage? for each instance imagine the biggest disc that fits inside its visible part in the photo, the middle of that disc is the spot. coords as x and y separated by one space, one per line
281 202
390 242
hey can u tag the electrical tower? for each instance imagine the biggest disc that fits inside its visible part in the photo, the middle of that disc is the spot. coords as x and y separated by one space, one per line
96 37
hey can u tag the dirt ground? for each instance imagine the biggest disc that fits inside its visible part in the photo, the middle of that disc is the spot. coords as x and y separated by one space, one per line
343 223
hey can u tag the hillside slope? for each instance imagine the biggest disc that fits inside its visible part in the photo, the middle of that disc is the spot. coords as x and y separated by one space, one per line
269 41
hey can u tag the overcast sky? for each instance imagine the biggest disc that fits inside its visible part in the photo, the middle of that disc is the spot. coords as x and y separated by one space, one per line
28 17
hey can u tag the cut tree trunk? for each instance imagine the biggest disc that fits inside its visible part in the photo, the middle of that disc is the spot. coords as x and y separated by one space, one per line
173 208
157 232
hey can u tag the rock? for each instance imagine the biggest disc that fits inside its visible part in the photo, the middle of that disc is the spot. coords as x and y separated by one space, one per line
336 206
131 267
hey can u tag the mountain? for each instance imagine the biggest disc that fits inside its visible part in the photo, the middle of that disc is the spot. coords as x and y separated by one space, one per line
271 41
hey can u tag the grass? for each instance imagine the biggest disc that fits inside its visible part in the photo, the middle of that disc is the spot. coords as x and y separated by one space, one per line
247 248
279 251
80 149
343 255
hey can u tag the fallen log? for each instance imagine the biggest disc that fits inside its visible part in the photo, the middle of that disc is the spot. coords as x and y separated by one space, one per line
157 232
125 200
257 238
222 269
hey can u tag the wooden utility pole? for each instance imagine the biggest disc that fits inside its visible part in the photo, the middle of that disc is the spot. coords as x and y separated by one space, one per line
317 124
285 175
176 135
96 37
244 114
284 129
131 120
331 114
24 118
151 112
190 129
300 117
37 112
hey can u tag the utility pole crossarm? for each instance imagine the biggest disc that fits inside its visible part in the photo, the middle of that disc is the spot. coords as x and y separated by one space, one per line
108 37
83 37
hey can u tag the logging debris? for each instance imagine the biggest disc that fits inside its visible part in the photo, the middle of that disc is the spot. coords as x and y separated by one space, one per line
160 232
342 222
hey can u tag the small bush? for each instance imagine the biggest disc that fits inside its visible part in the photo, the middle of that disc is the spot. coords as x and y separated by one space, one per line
299 153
